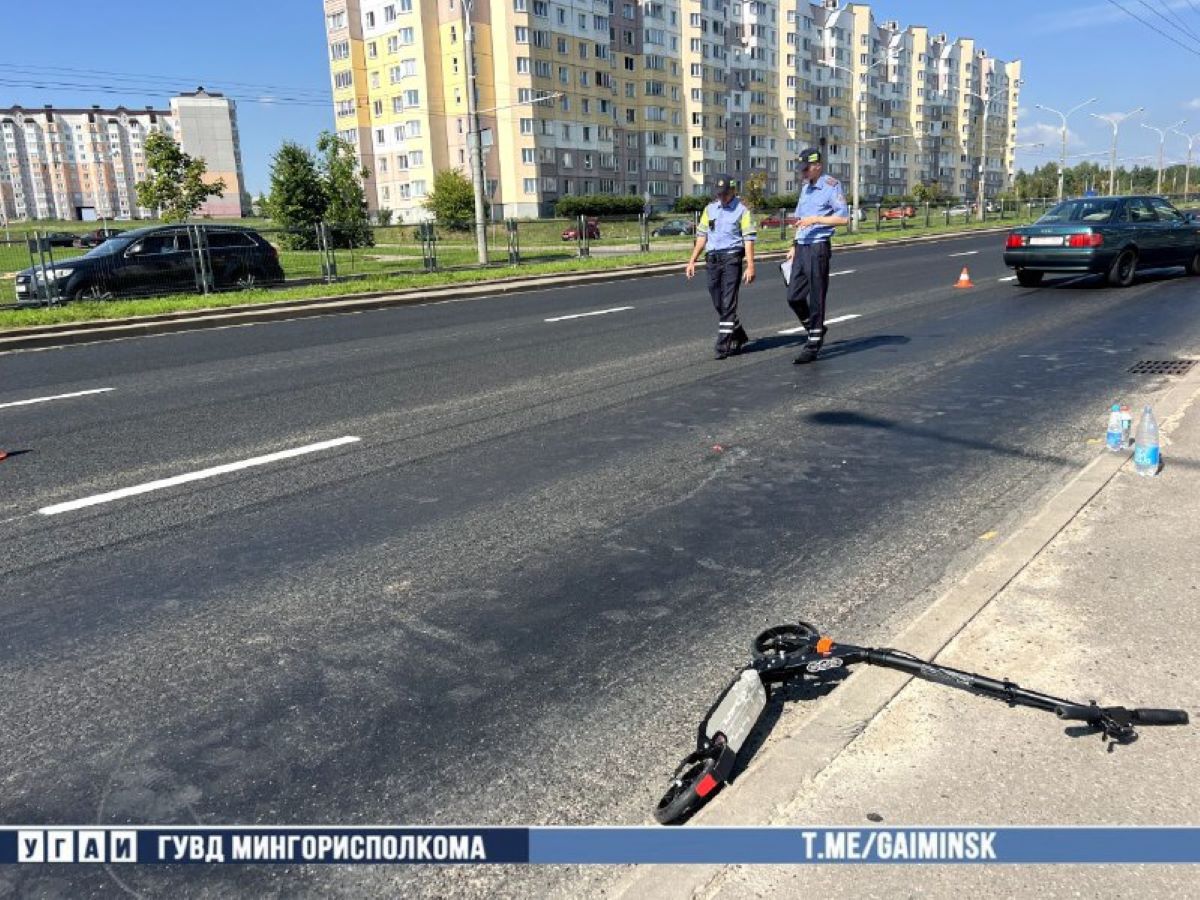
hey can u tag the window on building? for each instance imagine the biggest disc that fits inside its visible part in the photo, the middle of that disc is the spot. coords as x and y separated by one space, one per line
336 21
529 185
522 34
339 50
528 155
527 126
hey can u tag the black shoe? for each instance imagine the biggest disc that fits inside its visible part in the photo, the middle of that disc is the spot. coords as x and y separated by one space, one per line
740 341
807 355
720 354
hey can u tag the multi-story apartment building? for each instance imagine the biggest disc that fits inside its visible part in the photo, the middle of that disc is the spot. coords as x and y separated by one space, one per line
651 97
86 163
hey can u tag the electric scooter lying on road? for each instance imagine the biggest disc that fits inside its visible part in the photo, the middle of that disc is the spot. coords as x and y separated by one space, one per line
788 653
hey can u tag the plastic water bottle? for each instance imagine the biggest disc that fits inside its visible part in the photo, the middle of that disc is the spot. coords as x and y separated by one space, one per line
1146 453
1127 423
1114 437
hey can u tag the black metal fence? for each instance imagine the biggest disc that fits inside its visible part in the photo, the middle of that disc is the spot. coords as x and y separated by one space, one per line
38 269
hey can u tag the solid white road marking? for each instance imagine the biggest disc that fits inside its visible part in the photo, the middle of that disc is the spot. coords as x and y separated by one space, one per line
843 272
832 321
599 312
965 253
193 476
1009 278
55 397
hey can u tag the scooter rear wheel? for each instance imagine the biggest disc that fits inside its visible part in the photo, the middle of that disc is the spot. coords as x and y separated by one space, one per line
682 797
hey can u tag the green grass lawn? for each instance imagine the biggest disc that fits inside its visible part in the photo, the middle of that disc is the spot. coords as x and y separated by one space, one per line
395 265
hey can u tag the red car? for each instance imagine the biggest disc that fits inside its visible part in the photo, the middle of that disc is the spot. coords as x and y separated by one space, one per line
593 231
899 212
773 221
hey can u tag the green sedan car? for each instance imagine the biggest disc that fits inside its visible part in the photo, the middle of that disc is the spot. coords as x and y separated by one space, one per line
1109 236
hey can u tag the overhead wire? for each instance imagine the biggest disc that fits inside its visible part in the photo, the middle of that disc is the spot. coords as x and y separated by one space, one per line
1166 5
1154 27
145 80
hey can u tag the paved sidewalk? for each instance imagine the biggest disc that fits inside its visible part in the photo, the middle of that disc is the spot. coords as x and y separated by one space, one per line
1108 610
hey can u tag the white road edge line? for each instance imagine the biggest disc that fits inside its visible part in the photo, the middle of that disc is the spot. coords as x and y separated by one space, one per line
832 321
965 253
55 397
843 272
149 486
599 312
1008 278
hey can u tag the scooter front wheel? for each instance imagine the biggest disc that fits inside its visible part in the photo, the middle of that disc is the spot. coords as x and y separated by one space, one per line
783 639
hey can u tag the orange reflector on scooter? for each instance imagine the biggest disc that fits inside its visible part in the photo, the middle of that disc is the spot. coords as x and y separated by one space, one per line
706 786
824 645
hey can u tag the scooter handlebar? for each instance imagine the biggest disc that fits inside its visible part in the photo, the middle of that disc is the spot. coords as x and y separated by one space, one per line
1078 713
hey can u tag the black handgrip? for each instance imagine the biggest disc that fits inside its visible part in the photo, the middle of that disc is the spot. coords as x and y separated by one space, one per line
1078 713
1160 717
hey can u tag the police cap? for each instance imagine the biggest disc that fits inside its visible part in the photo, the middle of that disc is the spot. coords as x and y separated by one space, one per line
809 156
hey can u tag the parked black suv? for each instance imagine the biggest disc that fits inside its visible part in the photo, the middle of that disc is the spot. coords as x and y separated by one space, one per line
159 260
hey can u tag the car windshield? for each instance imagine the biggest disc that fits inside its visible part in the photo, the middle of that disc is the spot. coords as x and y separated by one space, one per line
111 246
1088 210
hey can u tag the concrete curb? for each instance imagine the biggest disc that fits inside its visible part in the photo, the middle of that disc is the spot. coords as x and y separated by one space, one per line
762 794
44 336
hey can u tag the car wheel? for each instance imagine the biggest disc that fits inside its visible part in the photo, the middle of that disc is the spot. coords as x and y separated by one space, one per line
1026 278
91 292
1193 266
1120 273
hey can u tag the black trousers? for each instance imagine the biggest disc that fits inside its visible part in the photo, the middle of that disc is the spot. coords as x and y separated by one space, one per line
807 288
724 282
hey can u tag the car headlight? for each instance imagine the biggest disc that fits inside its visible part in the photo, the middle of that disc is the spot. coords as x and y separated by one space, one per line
53 274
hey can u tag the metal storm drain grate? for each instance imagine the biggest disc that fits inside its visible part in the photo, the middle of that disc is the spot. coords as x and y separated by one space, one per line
1162 367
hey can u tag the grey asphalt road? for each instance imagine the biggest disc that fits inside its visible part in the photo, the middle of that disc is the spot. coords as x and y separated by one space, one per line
512 598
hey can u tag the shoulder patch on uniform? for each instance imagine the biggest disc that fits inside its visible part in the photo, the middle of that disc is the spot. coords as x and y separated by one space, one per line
830 181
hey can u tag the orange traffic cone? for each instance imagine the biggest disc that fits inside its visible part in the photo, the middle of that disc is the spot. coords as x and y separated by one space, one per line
964 279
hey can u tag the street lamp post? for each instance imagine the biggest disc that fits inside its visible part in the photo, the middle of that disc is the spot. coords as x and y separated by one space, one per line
1063 159
860 127
1162 138
1114 120
474 137
1187 171
979 192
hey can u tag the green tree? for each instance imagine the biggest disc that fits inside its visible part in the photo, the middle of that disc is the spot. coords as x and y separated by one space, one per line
297 200
346 200
452 200
753 191
174 187
928 193
692 203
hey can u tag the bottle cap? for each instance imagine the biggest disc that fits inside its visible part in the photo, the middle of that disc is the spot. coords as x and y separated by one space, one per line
1116 408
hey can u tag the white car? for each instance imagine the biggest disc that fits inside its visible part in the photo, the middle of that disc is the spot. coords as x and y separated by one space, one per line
961 210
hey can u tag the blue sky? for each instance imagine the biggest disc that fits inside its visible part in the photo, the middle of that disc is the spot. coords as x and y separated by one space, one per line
270 56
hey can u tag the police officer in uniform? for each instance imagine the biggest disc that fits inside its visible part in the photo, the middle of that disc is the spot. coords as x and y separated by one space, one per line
820 208
726 237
